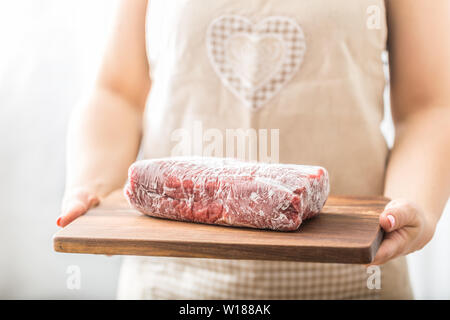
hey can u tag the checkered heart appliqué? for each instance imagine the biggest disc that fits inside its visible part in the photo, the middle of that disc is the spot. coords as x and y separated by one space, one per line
255 61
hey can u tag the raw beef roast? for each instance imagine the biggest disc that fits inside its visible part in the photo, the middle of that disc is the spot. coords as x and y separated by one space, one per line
227 191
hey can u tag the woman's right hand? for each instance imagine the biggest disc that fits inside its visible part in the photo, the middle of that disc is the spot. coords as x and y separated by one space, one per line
76 202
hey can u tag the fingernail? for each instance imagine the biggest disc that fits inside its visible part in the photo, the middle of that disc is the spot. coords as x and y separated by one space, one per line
58 222
391 220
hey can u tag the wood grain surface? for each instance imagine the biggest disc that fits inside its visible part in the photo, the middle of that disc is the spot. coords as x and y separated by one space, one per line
346 231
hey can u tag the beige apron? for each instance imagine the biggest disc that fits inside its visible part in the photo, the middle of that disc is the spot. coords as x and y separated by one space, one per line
311 69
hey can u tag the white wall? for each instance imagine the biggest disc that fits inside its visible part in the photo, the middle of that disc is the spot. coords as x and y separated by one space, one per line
49 50
48 53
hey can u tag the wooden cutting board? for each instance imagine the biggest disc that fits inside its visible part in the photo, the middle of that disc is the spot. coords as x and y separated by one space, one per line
346 231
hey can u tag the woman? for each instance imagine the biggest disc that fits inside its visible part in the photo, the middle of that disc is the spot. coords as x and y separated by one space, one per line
311 69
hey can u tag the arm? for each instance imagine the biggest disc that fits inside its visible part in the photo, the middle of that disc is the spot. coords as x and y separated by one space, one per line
104 133
418 172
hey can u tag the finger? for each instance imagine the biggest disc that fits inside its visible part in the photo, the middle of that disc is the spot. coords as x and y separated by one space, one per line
388 249
398 214
74 209
393 245
93 201
75 204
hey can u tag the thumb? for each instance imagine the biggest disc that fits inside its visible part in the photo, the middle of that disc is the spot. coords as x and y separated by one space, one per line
75 205
398 214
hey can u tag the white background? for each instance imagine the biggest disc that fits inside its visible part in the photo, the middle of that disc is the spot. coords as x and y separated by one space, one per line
49 51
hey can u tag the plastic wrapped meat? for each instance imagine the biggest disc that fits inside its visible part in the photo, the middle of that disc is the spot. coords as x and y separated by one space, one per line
227 191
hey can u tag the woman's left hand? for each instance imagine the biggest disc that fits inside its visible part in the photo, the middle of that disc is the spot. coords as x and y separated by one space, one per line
407 229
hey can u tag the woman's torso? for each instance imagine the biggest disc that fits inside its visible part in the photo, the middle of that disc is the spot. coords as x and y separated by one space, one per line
308 71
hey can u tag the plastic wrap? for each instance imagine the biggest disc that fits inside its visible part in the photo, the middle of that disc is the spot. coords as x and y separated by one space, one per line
227 191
